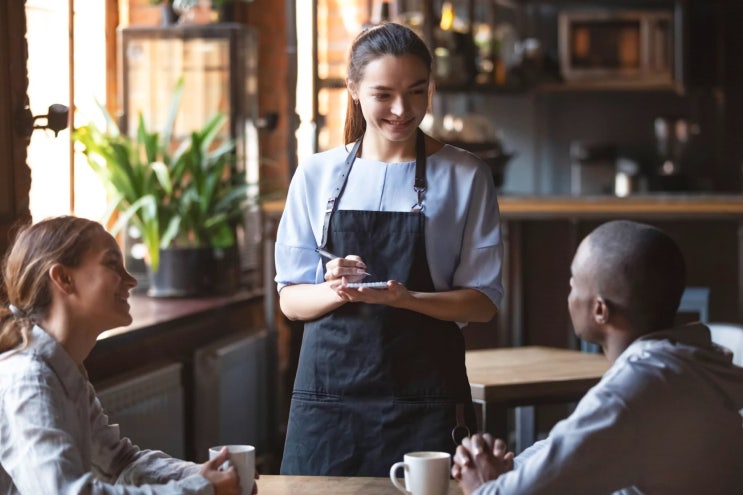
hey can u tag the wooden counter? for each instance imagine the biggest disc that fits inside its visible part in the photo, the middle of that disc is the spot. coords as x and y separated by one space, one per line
169 329
648 205
150 312
685 206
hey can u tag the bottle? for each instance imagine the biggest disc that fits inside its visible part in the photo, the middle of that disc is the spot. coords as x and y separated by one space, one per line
384 12
384 16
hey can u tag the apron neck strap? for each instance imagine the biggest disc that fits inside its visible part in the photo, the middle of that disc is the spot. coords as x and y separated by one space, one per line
338 189
420 169
419 186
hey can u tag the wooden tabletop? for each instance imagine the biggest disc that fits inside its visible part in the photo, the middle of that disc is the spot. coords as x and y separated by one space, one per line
331 485
532 374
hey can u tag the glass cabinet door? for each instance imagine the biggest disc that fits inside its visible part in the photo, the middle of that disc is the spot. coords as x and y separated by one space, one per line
153 69
219 66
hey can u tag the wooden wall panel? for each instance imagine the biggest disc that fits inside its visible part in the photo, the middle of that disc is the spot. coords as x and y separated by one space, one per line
15 177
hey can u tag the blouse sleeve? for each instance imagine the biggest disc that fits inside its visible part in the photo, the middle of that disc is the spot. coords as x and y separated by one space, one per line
40 453
116 459
481 254
295 256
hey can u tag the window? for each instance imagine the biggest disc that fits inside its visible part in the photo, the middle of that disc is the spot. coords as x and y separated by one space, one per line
61 181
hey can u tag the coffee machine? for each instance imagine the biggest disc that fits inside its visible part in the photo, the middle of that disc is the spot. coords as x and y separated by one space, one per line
592 168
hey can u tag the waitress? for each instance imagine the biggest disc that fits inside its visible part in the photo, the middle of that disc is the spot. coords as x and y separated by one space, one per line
381 370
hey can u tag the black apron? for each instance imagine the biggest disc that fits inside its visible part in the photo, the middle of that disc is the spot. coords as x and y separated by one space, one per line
375 382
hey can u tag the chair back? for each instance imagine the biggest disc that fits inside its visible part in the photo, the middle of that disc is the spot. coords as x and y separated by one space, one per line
729 335
695 300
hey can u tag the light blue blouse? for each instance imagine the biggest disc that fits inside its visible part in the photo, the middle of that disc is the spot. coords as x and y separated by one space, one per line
55 438
463 237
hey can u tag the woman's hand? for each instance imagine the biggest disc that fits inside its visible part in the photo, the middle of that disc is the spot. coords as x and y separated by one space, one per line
391 296
225 481
341 271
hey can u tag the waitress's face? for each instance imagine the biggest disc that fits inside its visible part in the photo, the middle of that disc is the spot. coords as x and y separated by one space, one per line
393 94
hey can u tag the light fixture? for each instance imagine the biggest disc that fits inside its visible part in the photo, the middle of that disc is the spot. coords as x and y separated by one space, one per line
56 120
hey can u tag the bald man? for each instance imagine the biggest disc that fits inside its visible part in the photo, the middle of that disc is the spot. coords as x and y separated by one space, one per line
663 420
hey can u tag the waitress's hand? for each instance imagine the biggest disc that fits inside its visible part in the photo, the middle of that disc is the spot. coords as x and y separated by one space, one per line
341 271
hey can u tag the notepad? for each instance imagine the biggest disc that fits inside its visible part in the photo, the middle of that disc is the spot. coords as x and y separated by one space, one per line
371 285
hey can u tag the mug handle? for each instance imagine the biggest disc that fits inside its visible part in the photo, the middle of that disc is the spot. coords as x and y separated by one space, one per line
393 477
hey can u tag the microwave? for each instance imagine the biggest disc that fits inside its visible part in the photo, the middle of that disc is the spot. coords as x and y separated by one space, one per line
617 45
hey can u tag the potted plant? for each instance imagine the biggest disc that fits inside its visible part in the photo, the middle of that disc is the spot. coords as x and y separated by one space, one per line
186 199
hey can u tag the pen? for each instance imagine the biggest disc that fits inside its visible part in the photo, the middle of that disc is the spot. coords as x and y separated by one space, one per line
327 254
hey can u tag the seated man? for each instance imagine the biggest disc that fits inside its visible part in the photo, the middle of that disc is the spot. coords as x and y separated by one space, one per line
665 417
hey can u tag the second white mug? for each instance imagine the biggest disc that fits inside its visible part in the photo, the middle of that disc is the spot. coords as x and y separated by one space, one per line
426 473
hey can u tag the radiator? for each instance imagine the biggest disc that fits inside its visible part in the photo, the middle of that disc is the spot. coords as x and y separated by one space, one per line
148 406
234 393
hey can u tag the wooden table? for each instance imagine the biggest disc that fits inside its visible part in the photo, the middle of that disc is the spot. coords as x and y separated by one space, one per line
331 485
525 376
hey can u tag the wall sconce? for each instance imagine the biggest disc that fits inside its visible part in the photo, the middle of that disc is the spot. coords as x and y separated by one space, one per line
56 120
269 122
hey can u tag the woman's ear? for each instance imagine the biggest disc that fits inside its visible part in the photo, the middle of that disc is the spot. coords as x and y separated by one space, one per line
60 278
351 87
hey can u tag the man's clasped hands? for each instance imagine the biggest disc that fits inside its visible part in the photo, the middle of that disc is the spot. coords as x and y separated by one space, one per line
480 458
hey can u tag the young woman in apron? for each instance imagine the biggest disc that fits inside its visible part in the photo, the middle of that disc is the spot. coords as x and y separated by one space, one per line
381 371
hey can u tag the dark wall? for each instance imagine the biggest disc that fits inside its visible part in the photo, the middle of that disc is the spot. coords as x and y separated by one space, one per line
732 97
710 248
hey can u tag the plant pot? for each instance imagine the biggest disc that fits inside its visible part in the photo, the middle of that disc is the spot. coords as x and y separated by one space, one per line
193 272
168 16
226 12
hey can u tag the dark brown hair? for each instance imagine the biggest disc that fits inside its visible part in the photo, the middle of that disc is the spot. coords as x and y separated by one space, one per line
384 39
36 249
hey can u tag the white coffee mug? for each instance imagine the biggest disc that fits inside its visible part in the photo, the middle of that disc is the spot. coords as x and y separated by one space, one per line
426 473
243 458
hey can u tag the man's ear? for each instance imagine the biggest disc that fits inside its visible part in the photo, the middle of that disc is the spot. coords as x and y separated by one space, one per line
60 278
600 311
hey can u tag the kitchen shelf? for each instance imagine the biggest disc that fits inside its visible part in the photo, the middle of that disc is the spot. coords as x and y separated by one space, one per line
528 81
442 87
550 87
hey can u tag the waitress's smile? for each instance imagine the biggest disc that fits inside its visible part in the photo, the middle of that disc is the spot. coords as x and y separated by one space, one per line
398 126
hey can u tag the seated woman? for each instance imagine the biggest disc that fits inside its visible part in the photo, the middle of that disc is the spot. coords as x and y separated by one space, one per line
66 283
